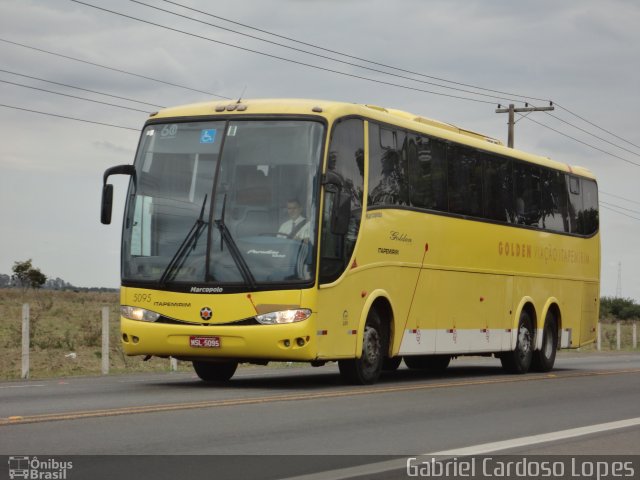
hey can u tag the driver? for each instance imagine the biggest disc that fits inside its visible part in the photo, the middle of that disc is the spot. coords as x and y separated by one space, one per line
297 227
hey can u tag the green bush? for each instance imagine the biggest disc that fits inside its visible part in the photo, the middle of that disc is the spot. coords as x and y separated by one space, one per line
619 308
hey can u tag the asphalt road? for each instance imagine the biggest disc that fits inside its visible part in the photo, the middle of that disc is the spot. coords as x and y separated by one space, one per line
297 421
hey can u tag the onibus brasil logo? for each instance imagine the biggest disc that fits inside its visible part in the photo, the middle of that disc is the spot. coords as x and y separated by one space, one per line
38 469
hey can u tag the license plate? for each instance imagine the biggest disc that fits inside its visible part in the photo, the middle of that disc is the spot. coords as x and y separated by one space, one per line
204 342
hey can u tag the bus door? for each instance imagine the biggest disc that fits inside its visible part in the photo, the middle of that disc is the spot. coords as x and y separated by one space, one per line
339 308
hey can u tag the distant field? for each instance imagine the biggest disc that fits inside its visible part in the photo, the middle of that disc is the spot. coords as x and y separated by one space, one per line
66 322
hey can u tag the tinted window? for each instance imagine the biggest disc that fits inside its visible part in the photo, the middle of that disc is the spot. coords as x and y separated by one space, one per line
498 189
555 202
527 193
575 202
388 153
423 172
588 219
465 182
428 173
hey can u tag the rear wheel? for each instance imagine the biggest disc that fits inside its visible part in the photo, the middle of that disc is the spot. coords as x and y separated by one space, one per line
544 358
366 369
215 371
519 360
428 363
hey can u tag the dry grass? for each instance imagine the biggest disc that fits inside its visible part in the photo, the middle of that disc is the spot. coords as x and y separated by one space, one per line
609 335
62 323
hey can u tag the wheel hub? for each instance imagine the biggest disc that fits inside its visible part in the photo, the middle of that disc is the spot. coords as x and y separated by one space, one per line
371 347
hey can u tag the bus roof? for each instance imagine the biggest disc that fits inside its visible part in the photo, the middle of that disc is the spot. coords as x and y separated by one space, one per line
332 110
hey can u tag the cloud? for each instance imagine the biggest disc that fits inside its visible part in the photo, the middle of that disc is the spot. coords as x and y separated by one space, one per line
110 147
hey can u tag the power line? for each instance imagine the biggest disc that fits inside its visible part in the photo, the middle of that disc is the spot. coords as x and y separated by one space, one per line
317 54
72 96
613 205
113 69
367 61
323 56
590 133
353 56
619 197
583 143
211 93
79 88
69 118
597 126
360 77
302 63
390 67
620 213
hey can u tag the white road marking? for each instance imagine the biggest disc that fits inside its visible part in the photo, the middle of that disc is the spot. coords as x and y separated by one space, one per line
401 463
22 386
535 439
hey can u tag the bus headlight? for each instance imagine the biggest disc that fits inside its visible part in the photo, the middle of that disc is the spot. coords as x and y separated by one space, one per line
284 316
137 313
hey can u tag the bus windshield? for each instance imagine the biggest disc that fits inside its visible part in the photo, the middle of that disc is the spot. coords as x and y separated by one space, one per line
224 203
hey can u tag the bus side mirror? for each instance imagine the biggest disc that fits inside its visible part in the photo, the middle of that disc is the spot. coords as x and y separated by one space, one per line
107 190
340 213
107 204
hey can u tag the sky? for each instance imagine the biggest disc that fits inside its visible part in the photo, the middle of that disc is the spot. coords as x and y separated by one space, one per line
582 54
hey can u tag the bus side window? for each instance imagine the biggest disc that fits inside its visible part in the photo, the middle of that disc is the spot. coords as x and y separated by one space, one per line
465 181
575 202
555 204
388 152
588 219
428 173
498 189
527 193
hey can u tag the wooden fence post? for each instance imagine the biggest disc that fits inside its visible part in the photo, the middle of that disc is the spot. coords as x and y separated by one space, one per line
105 340
25 341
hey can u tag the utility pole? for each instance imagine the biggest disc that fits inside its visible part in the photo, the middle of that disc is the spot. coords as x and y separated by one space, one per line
512 111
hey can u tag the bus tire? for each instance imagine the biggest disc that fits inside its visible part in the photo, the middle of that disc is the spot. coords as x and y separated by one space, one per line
544 358
215 371
428 363
391 364
366 369
519 360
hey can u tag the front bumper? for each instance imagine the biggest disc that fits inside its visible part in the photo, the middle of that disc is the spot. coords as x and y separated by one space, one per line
287 342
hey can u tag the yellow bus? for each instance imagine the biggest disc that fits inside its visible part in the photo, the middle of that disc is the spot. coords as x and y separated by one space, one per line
316 231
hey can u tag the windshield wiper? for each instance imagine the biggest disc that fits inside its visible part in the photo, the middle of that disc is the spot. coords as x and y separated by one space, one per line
225 236
178 258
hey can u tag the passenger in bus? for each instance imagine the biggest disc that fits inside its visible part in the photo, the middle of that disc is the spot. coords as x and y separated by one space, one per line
296 227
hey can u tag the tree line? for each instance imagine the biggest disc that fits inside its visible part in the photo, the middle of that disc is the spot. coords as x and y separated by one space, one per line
619 308
26 276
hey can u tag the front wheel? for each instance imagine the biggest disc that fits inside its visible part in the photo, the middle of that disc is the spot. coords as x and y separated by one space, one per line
215 371
366 369
519 360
